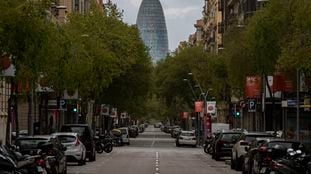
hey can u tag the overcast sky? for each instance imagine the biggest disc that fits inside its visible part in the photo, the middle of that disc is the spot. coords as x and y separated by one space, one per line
180 16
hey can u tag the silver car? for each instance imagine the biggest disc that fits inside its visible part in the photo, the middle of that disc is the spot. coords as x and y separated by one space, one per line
186 138
76 151
125 135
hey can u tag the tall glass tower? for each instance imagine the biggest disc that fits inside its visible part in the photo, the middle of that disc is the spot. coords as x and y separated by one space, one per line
152 27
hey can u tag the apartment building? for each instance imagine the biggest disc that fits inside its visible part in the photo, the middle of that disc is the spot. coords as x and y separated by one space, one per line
213 27
222 15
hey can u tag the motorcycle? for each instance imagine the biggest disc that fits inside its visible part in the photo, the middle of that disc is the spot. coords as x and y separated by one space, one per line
12 162
207 146
293 162
103 144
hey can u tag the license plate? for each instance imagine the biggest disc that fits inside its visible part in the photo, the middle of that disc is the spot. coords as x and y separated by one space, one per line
39 169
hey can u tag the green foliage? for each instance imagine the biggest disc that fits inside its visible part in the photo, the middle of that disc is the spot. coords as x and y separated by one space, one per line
208 72
279 34
296 52
95 52
25 31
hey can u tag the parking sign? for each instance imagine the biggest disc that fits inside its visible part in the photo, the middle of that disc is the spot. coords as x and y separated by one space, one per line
252 105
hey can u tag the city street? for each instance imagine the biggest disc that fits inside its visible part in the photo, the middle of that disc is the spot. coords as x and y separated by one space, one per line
153 152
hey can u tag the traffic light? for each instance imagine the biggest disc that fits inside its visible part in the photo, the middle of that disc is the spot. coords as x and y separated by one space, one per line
74 109
237 114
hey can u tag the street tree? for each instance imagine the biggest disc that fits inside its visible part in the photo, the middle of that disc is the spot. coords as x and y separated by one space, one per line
25 34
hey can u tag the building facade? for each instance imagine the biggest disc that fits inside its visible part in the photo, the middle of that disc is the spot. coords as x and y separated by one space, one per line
152 27
213 17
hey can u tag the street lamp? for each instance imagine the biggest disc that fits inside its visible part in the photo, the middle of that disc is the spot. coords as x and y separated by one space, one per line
190 86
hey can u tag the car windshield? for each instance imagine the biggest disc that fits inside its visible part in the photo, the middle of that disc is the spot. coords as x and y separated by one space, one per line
79 130
230 136
250 138
123 131
189 134
67 138
287 145
31 143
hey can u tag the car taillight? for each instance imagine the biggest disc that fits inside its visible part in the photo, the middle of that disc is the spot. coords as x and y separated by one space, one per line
41 163
262 149
267 159
221 142
77 142
276 165
51 152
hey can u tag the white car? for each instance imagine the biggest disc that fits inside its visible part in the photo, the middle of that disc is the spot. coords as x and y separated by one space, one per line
239 148
125 135
186 138
75 151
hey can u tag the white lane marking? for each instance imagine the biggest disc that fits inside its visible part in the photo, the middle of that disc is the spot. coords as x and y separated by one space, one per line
157 166
153 140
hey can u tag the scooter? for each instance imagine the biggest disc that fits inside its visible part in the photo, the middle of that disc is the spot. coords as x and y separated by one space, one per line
14 163
103 144
207 146
294 162
108 146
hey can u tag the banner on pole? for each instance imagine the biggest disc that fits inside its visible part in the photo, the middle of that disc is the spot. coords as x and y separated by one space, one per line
198 106
253 87
211 107
185 115
114 112
104 110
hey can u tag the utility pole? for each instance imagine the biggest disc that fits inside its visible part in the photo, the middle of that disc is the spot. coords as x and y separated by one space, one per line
298 104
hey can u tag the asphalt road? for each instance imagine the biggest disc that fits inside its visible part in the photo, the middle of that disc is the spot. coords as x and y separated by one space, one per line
153 152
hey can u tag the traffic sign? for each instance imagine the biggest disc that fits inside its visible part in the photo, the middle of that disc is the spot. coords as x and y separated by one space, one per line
252 105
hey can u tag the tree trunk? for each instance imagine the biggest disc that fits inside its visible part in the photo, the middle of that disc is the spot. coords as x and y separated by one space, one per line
16 111
29 99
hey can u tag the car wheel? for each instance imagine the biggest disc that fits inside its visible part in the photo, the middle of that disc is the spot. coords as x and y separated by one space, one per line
65 169
93 157
216 156
239 164
232 163
81 162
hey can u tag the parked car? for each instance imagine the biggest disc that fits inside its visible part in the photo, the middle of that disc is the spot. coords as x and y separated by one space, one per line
30 145
186 138
251 150
222 146
141 128
238 149
176 131
133 131
125 135
86 136
76 151
157 125
262 156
